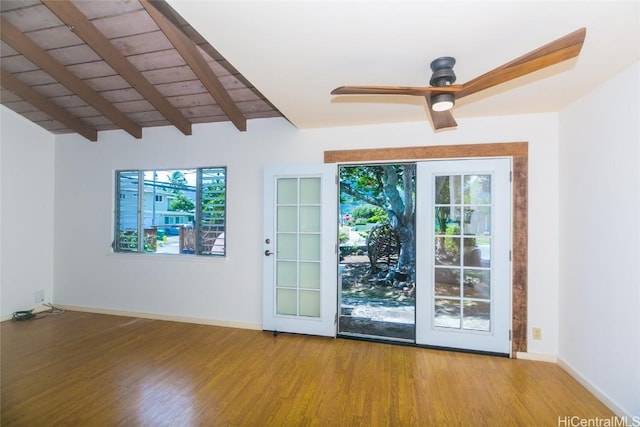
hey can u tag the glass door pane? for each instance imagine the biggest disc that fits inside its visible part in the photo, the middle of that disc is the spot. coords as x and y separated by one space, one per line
377 251
462 259
298 250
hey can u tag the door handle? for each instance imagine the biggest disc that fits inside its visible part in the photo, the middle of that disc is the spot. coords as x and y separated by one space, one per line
268 252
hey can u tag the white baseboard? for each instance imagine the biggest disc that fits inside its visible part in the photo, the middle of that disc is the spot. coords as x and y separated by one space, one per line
183 319
538 357
601 396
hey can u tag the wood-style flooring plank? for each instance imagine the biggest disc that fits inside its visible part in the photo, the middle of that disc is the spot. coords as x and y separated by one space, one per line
81 369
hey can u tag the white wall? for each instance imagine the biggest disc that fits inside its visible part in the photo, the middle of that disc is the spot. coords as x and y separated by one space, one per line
26 213
600 240
229 291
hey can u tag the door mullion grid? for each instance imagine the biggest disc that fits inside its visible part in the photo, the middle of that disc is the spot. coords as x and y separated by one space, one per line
296 233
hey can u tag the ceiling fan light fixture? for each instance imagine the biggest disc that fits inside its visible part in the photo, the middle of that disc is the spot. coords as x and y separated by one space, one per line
442 101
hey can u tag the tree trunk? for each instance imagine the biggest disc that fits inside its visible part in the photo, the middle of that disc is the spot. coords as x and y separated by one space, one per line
407 258
403 213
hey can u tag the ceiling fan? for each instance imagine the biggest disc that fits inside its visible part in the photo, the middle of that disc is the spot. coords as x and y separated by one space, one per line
442 93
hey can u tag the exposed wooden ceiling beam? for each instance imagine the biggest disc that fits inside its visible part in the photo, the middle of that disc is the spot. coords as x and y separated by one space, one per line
9 82
189 52
34 53
200 41
168 12
68 13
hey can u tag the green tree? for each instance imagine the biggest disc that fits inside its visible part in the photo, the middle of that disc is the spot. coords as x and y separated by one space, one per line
392 188
370 213
179 181
214 204
182 203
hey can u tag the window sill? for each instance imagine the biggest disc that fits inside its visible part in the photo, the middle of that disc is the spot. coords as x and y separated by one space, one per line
134 256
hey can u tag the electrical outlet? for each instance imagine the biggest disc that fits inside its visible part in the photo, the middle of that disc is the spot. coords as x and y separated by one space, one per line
39 296
537 334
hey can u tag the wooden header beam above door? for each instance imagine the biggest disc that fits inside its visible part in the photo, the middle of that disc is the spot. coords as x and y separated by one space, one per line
428 152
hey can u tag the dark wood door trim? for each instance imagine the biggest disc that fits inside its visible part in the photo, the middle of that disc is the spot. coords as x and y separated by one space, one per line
519 152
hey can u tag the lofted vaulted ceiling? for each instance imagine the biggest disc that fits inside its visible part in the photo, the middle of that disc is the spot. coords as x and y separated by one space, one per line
89 66
297 52
85 66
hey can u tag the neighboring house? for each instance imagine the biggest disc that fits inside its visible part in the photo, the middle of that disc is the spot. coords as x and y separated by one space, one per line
157 205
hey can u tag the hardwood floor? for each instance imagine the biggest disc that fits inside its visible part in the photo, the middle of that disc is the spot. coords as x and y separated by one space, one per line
80 369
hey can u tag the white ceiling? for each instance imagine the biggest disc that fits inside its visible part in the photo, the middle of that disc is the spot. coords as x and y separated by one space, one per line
296 52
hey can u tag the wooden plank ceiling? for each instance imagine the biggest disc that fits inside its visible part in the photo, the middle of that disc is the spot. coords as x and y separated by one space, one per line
88 66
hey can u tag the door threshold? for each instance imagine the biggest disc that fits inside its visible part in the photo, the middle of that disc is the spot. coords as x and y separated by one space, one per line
465 350
375 338
411 343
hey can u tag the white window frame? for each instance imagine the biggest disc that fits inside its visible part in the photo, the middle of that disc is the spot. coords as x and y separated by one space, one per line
209 224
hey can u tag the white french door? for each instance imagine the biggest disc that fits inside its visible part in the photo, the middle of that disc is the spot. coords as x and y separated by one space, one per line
463 276
463 241
299 243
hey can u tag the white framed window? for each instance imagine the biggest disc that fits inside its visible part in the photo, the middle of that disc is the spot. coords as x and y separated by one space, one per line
191 221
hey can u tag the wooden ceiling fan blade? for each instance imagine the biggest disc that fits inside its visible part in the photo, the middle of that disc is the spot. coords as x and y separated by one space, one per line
394 90
557 51
440 119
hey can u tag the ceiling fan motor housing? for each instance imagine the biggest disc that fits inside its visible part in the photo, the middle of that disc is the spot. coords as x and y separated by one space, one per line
443 74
